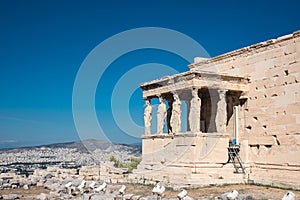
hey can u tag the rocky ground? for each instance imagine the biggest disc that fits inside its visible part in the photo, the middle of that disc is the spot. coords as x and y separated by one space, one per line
134 191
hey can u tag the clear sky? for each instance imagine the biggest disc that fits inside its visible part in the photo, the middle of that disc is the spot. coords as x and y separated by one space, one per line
44 43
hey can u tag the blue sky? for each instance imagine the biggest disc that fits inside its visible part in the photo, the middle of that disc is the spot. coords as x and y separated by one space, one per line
43 44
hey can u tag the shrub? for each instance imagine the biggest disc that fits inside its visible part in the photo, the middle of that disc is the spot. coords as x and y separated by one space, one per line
134 162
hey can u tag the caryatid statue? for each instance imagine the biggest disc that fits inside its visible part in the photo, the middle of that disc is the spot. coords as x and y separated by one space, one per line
176 115
147 117
195 108
161 115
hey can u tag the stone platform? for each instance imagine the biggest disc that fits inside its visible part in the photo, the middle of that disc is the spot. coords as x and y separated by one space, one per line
189 159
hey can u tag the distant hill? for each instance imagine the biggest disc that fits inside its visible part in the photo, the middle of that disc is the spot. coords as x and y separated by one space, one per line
85 146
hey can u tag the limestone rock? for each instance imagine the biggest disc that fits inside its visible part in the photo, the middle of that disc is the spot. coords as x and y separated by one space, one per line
42 196
6 186
40 184
86 196
103 197
182 194
52 169
53 195
122 189
52 185
187 198
11 196
289 196
152 197
127 196
136 197
25 187
232 195
7 175
48 176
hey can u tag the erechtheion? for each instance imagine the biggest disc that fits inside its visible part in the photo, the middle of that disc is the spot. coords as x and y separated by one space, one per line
243 119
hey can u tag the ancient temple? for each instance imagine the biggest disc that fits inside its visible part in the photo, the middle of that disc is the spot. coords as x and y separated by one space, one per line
243 119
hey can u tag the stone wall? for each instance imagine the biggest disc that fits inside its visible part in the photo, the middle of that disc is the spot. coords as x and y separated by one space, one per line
270 118
188 160
186 148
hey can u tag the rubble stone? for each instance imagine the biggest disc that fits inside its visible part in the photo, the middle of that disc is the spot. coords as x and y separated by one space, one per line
11 196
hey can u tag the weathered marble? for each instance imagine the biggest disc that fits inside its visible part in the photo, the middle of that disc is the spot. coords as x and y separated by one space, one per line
161 115
194 114
176 115
221 115
147 117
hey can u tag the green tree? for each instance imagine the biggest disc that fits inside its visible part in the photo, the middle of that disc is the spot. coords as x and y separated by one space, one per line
134 162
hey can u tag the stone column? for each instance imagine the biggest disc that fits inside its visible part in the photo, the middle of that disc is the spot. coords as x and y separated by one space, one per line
147 117
169 114
161 115
214 98
194 114
188 108
176 115
221 115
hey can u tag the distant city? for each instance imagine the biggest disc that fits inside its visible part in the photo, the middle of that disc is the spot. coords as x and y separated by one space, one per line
66 155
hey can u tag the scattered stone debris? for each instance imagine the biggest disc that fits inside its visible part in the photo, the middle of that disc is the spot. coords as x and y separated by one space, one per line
234 195
88 183
11 196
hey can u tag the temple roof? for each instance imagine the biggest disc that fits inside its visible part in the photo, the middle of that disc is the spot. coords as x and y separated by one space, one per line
194 79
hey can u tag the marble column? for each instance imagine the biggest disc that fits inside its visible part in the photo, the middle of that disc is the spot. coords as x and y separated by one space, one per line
169 114
221 115
214 98
188 108
176 115
194 114
161 115
148 117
